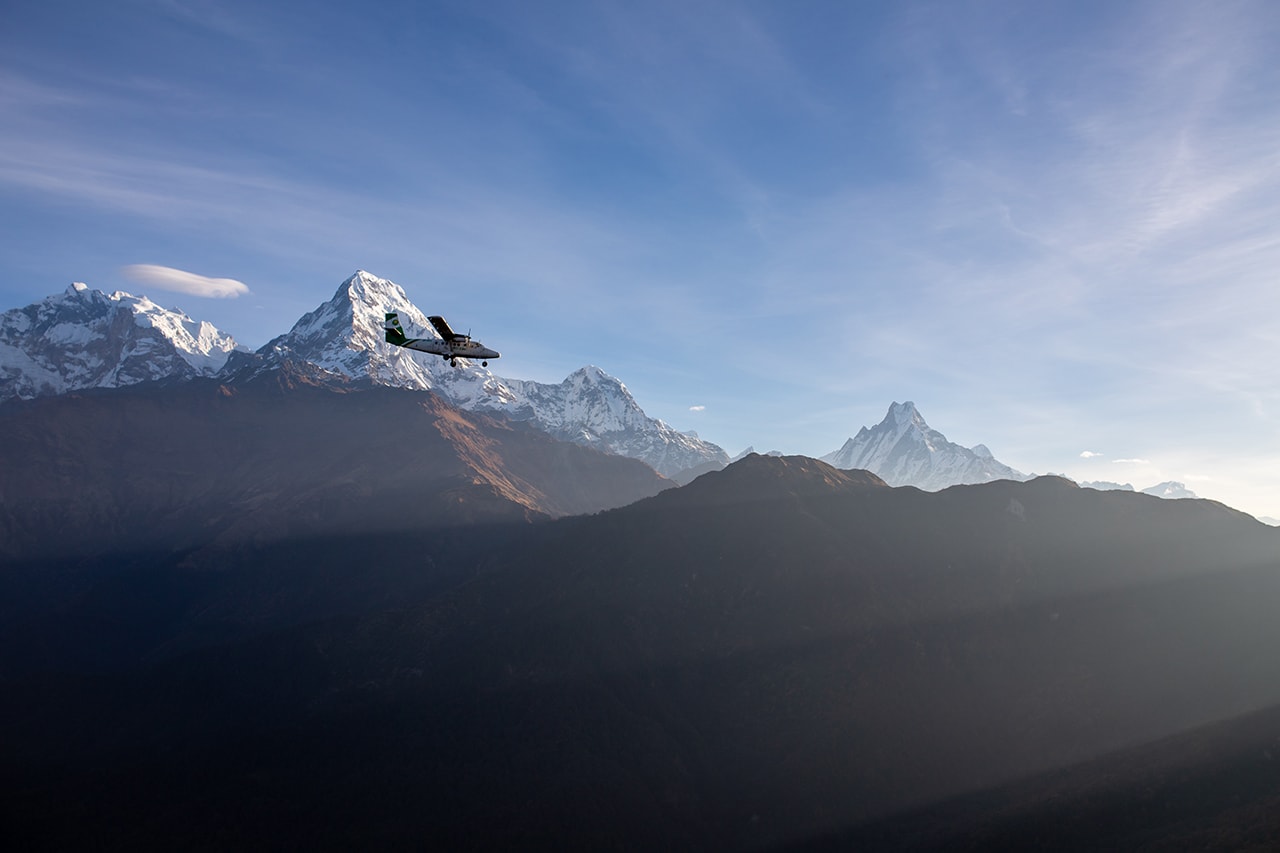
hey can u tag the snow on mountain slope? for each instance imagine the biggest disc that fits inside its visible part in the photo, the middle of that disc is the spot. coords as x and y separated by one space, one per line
592 408
903 450
1170 489
345 336
83 338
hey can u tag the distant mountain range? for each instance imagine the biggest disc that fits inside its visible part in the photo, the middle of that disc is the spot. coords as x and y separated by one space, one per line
1170 489
85 339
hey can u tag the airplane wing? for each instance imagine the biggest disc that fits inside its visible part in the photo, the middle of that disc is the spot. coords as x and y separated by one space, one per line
443 328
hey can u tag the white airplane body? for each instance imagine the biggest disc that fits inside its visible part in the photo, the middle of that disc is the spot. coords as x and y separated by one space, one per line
450 345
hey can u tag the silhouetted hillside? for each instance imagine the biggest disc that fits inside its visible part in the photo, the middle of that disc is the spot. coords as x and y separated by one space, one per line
133 518
775 654
279 458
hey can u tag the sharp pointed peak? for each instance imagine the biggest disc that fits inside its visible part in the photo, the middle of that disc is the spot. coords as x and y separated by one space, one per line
903 416
903 412
361 283
593 373
78 291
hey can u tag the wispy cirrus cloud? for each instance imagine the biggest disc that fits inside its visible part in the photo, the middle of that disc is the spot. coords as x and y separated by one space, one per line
1088 454
697 408
181 281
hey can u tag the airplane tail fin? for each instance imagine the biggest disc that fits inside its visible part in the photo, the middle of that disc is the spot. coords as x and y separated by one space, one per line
395 334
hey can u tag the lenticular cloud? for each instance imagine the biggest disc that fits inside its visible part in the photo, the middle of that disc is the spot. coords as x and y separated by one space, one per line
181 281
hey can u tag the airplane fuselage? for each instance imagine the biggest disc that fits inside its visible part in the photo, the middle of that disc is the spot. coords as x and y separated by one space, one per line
451 349
450 344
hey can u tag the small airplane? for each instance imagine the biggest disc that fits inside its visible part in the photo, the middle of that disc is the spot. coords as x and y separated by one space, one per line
450 344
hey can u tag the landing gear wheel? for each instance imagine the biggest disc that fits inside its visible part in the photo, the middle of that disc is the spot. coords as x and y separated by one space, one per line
484 364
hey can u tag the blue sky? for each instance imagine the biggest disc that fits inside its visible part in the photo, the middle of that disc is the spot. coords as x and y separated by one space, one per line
1054 226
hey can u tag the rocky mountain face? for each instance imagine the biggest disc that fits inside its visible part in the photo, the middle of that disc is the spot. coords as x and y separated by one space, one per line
779 652
345 336
906 451
85 338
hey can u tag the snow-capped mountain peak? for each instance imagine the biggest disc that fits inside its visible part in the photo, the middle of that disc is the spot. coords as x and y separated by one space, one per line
904 450
906 415
1170 490
345 336
84 338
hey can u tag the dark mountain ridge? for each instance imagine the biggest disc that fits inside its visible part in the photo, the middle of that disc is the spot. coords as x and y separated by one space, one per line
134 518
774 653
279 458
